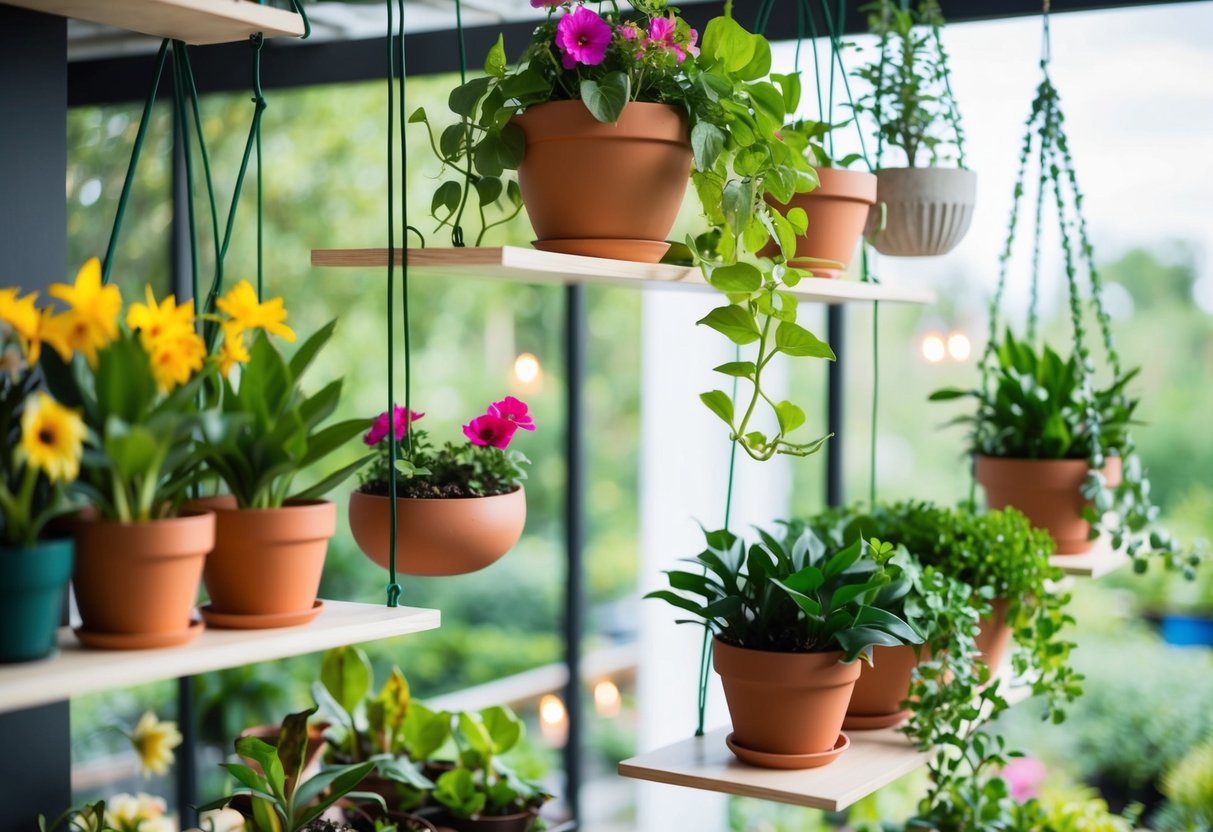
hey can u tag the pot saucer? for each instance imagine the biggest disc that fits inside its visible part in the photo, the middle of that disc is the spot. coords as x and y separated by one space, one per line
269 621
138 641
765 759
855 722
636 251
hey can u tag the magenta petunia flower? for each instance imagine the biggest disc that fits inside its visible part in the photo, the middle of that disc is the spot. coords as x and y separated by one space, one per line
1024 776
513 410
490 429
378 431
663 32
583 38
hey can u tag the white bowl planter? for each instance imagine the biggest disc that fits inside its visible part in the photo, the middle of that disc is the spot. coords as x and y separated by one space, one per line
927 210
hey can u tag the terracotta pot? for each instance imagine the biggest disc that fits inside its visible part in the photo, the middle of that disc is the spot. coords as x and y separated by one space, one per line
1047 491
604 190
926 211
785 703
139 581
268 561
31 598
838 210
994 634
521 822
439 536
881 688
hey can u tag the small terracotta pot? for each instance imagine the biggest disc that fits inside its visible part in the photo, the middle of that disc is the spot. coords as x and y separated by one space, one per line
785 703
268 561
439 536
926 211
994 634
881 688
141 579
1048 492
604 190
837 211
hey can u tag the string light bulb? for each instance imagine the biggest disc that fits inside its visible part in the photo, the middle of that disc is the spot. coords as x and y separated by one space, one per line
933 347
959 346
526 368
607 700
553 720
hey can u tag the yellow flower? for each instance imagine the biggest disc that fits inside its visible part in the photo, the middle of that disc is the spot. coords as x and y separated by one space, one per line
233 350
53 330
52 438
92 321
241 304
164 320
154 742
20 314
137 813
175 358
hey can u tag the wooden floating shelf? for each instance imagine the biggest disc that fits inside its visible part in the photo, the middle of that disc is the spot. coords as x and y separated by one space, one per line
75 671
192 21
531 265
1100 561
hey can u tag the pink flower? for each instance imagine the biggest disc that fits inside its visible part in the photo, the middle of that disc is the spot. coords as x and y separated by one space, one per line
378 431
490 429
583 37
663 32
628 31
1024 776
513 410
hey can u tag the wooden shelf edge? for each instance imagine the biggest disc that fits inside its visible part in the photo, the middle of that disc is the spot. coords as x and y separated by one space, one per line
1101 560
193 21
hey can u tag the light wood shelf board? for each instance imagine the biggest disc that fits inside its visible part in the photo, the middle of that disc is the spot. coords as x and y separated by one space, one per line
192 21
1101 560
74 671
531 265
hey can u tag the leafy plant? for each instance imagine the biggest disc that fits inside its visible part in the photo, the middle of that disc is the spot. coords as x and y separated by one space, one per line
271 430
279 799
1188 786
794 597
481 785
910 93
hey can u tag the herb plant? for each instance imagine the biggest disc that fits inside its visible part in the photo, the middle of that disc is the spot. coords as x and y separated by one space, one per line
794 597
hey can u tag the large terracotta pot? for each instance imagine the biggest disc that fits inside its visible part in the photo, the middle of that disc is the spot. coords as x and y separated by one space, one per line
994 634
881 688
266 566
604 190
1048 492
136 583
837 210
452 536
785 704
926 211
31 598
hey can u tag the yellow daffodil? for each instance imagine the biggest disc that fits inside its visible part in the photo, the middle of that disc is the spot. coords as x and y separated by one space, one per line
154 742
164 320
53 331
246 312
92 321
22 316
233 350
52 438
137 813
175 358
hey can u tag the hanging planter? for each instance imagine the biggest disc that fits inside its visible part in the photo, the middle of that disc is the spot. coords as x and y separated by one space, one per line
837 211
921 212
625 200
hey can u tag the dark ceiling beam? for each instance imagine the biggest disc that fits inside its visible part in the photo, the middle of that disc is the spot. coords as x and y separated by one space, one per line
228 67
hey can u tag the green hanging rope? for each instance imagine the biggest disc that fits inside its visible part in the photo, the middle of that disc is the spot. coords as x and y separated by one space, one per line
258 42
181 120
402 113
393 588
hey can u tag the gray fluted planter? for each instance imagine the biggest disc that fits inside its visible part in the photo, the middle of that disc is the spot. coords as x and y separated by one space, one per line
927 213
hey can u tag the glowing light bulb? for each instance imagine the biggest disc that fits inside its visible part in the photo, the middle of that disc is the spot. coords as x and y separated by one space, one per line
553 720
607 700
959 346
526 368
933 348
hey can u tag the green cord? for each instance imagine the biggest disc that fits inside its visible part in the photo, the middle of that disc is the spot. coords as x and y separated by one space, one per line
402 112
875 398
257 42
393 588
182 122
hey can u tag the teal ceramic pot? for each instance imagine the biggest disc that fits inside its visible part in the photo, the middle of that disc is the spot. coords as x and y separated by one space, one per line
31 598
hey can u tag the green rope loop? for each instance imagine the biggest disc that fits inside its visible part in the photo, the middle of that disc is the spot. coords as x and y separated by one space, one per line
307 24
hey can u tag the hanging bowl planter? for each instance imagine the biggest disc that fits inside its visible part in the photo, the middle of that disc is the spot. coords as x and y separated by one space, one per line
136 583
604 190
31 598
452 536
837 210
1048 492
921 212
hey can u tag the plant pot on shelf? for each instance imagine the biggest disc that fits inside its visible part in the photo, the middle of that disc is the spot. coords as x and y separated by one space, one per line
787 708
265 569
837 210
994 634
1048 492
136 583
31 598
521 822
926 211
604 190
881 688
435 537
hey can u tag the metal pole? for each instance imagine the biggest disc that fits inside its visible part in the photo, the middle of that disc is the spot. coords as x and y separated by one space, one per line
835 399
574 516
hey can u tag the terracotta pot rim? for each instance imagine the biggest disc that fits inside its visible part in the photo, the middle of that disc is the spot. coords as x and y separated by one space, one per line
823 654
1025 459
360 493
934 168
625 129
289 505
186 517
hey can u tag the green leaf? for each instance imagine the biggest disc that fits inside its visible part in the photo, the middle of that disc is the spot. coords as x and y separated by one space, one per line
725 42
793 339
799 220
891 624
950 393
738 369
504 728
346 673
527 85
464 98
310 348
418 116
735 323
292 746
495 62
719 403
425 731
606 98
488 189
789 84
334 479
810 606
707 142
738 277
790 417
